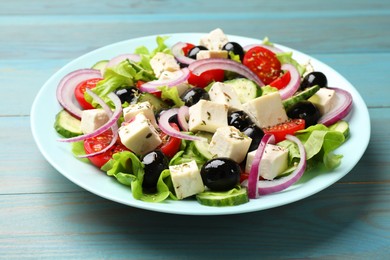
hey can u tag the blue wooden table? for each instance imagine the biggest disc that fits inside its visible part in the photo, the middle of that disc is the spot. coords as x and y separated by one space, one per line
44 215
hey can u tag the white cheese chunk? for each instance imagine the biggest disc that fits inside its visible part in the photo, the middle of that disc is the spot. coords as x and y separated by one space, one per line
214 40
324 99
273 163
186 179
134 109
163 62
92 119
229 142
207 116
168 75
203 54
266 110
225 94
140 136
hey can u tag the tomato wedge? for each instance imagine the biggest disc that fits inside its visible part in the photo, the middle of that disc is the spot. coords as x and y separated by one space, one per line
171 145
263 63
204 79
282 81
80 90
97 143
281 130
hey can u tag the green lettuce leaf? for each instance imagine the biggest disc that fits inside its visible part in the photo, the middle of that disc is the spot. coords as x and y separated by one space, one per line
78 149
128 170
286 57
187 153
171 93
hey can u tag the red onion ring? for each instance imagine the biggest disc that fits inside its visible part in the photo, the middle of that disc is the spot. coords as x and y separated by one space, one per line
118 59
294 83
67 85
169 130
182 117
114 127
267 187
340 110
152 86
253 179
200 66
113 120
177 51
269 47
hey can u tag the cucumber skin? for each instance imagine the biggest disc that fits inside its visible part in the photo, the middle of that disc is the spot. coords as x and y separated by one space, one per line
66 125
307 93
223 199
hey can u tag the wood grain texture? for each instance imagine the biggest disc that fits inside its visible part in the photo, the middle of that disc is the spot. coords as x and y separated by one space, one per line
44 215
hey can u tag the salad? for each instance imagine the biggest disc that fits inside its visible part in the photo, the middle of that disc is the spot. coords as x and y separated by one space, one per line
213 121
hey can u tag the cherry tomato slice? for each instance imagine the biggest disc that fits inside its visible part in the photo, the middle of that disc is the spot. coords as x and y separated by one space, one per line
281 130
80 90
282 81
187 48
97 143
171 145
204 79
263 63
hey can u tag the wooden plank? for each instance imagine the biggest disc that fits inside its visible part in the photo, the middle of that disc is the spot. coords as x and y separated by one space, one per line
83 226
73 7
39 37
34 175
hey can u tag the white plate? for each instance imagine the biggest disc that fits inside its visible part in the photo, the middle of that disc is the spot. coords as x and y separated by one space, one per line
90 178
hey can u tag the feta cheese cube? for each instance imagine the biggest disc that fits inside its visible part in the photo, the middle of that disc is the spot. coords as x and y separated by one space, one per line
134 109
207 116
225 94
229 142
92 119
324 99
214 40
163 62
186 179
266 110
140 136
273 163
203 54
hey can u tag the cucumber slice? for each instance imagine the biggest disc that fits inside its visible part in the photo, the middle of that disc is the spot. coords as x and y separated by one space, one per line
100 65
203 146
67 125
341 126
157 103
232 197
245 89
289 102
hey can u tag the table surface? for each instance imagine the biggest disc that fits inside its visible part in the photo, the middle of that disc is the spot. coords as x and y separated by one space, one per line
44 215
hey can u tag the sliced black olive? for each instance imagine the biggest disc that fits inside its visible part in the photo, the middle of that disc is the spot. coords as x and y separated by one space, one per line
192 53
192 95
220 174
239 119
235 48
127 94
254 132
172 119
155 162
306 111
314 78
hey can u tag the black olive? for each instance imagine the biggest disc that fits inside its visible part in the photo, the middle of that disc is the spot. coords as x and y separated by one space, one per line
155 162
314 78
192 53
239 119
172 119
192 95
254 132
235 48
220 174
306 111
127 94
